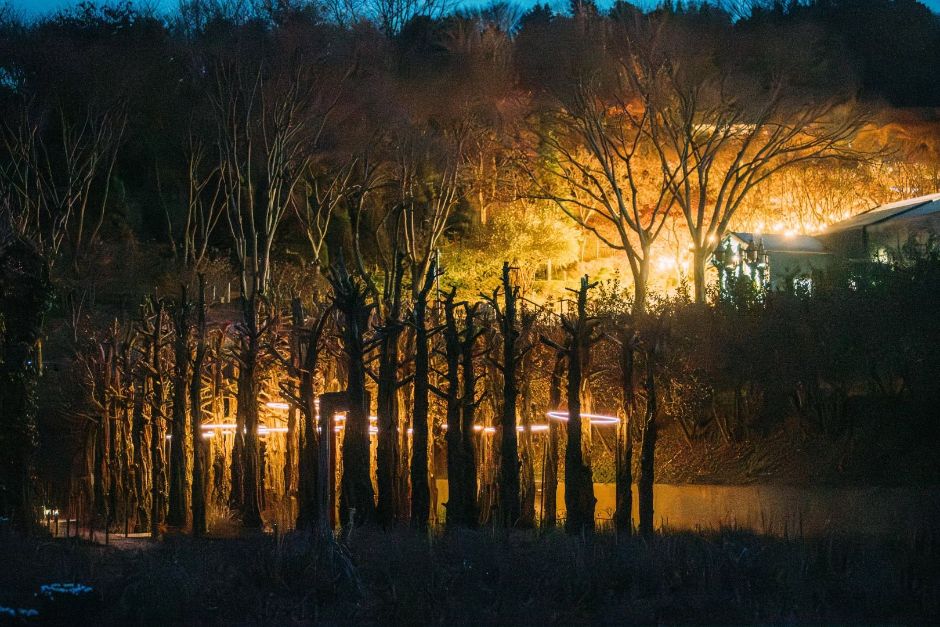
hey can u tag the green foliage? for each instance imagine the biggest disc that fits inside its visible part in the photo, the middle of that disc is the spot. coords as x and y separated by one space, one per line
527 237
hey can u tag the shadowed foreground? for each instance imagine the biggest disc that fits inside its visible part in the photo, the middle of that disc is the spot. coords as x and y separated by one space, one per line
474 577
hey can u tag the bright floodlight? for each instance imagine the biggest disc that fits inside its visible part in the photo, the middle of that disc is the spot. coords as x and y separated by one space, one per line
596 419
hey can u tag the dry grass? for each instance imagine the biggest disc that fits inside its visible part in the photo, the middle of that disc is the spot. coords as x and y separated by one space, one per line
399 577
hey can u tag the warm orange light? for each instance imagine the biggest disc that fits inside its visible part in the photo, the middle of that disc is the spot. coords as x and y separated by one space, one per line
596 419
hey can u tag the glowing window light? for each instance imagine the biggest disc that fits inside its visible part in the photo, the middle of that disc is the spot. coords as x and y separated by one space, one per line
278 405
596 419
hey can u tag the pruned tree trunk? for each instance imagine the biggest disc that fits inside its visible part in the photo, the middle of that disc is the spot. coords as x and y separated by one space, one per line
246 463
456 510
550 482
157 424
142 452
509 507
526 451
648 448
349 297
388 451
420 487
308 464
579 485
469 403
200 453
700 257
623 515
177 514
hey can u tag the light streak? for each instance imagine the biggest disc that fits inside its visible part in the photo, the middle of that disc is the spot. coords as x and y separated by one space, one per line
596 419
210 428
278 405
221 426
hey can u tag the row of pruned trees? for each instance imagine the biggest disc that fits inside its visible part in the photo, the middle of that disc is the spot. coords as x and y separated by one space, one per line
155 386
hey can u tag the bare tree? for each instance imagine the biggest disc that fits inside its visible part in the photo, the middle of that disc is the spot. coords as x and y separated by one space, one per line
456 509
357 503
428 197
579 485
596 169
721 131
178 471
58 175
390 16
200 454
270 115
514 348
204 207
469 403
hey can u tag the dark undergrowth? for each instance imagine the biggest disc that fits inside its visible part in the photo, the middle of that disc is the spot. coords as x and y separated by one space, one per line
400 577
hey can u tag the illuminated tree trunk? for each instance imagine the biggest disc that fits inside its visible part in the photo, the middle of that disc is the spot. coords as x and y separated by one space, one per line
142 453
357 494
200 452
387 451
550 482
579 486
456 510
509 507
526 452
176 514
469 405
125 385
102 455
648 448
157 418
641 277
308 466
420 488
700 257
246 462
623 515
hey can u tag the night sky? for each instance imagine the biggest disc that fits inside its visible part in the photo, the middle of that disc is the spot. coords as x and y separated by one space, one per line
29 8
